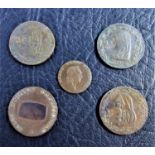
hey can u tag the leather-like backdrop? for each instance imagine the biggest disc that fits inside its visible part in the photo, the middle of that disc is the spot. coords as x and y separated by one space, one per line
76 32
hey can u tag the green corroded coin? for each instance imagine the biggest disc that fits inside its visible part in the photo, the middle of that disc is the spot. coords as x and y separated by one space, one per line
120 45
32 43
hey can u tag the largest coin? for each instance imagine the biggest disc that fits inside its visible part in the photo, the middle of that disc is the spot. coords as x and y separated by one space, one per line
120 45
32 111
123 110
32 43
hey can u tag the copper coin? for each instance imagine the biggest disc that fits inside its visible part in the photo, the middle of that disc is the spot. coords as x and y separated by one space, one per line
74 76
32 111
123 110
32 43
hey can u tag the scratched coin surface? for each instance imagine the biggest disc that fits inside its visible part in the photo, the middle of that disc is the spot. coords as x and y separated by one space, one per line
32 111
31 43
120 45
123 110
74 76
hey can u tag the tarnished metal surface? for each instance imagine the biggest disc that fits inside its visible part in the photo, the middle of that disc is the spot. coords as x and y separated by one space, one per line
32 43
76 32
121 45
74 76
32 111
123 110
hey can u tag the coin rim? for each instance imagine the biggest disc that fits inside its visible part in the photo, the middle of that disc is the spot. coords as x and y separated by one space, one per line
87 84
48 126
116 65
146 108
38 62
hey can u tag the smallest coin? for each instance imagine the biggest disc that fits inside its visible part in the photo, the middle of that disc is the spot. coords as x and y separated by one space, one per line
74 77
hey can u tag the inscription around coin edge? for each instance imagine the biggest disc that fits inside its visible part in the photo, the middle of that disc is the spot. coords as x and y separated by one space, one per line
48 125
127 130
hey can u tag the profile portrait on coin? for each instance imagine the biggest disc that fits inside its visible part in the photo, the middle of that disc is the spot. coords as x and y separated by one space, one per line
123 110
74 76
120 45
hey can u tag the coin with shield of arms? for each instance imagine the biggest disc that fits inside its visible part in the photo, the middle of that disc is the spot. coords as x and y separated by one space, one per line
32 43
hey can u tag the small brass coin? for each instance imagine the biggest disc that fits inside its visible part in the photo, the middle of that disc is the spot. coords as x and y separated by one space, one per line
123 110
74 77
32 111
31 43
120 45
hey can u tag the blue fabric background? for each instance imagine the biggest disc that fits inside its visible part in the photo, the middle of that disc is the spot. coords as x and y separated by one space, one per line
76 32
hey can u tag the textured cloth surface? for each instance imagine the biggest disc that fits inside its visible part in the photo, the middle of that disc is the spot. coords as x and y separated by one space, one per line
76 32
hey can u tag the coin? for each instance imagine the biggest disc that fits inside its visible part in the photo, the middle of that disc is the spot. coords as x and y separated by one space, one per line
120 45
123 110
32 43
74 76
32 111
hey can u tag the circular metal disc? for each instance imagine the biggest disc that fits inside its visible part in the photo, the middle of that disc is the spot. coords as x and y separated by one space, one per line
123 110
120 45
32 43
74 77
32 111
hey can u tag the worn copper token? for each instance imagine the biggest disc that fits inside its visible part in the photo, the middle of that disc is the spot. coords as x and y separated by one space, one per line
32 111
123 110
120 45
74 76
32 43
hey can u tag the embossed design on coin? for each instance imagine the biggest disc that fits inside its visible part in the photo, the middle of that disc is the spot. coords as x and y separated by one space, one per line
120 45
32 111
32 43
123 110
74 77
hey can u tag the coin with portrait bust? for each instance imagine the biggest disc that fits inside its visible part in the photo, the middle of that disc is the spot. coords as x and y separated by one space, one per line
74 76
120 45
31 43
123 110
32 111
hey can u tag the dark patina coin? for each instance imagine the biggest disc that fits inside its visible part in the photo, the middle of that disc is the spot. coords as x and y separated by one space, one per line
32 43
120 45
123 110
74 76
32 111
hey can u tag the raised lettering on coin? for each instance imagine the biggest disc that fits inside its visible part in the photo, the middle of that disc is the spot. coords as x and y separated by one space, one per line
32 111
